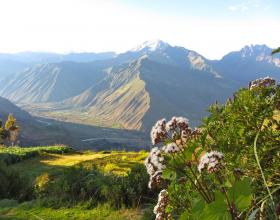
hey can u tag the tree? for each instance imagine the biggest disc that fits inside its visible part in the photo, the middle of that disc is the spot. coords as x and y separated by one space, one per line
10 131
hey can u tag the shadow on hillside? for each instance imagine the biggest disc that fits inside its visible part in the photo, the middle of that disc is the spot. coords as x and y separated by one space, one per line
49 131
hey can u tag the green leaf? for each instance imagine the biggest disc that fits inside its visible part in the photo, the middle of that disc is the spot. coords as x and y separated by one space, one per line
188 153
169 209
275 51
216 210
241 194
184 216
228 184
168 174
198 205
241 132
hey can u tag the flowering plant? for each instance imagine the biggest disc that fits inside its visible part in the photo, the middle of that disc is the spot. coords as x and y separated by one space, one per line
215 172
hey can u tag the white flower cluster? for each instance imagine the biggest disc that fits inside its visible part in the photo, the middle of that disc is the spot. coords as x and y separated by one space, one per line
177 122
177 126
158 132
159 209
180 130
211 161
262 82
171 148
154 165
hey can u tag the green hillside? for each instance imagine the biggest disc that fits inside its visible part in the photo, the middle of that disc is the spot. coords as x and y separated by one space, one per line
45 168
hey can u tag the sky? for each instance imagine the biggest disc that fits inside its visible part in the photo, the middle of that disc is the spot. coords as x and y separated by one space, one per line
210 27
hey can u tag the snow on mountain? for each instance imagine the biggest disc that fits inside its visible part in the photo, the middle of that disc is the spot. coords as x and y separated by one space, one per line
152 45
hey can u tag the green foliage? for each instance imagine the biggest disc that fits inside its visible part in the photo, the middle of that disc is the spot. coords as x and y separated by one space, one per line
33 210
61 179
11 123
241 194
11 155
14 186
244 183
233 127
41 183
276 51
10 131
78 184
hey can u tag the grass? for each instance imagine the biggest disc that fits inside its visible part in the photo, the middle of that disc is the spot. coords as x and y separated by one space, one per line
35 161
10 209
11 155
116 162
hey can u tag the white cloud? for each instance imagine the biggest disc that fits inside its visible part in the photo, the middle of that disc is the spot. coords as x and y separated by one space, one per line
245 5
232 8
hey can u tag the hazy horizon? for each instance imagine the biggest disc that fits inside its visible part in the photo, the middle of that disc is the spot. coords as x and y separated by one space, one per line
212 29
111 51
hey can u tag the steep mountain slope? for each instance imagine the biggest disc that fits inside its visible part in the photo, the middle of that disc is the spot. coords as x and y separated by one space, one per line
133 94
133 89
9 67
6 107
50 82
249 63
126 101
39 131
175 90
29 127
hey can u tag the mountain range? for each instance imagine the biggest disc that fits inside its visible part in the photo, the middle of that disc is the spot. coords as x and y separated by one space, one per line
130 90
36 131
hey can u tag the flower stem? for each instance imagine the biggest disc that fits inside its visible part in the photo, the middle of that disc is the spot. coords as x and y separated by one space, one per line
231 207
201 185
259 165
202 193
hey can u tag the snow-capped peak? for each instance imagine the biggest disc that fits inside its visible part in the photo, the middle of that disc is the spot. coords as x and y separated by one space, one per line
152 45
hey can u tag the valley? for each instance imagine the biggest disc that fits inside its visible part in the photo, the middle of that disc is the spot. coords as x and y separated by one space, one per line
131 90
139 110
43 131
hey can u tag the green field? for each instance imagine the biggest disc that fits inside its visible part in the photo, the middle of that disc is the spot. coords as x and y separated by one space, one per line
54 161
10 209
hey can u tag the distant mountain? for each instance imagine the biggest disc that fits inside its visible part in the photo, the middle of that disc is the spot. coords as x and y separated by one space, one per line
41 57
133 89
50 82
6 107
9 67
18 62
249 63
29 127
39 131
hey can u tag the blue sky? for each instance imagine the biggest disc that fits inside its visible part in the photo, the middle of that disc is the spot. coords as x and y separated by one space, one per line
211 27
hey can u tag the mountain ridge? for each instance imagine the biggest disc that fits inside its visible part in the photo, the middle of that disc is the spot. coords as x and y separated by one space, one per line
134 88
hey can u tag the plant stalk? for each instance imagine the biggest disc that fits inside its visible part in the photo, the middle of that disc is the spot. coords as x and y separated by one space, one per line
259 165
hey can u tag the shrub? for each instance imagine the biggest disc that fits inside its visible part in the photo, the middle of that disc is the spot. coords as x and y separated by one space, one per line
14 186
41 183
202 182
78 184
11 155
